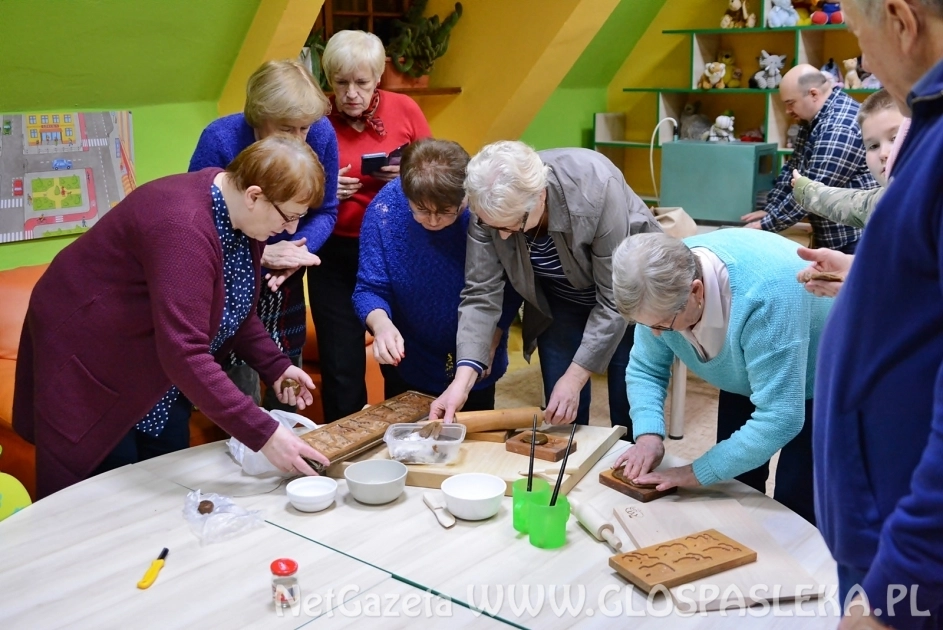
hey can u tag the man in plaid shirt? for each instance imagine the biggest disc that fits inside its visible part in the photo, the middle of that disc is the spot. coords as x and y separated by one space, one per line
828 150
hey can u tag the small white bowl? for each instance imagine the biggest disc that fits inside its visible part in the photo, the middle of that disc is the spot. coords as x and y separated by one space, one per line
474 496
376 481
311 494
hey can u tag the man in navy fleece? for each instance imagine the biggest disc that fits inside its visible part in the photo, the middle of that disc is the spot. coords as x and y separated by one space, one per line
878 436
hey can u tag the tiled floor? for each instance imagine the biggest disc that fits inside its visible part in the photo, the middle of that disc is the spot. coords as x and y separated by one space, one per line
521 387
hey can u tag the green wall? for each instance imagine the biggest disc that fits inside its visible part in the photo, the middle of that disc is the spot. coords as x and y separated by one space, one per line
566 119
165 60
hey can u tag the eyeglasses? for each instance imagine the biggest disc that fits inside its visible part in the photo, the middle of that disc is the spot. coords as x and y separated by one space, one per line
671 326
284 216
504 229
423 212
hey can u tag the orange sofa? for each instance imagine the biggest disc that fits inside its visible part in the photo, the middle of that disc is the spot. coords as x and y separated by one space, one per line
18 457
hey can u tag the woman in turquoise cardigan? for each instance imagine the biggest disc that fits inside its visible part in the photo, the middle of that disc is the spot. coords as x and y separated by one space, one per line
727 304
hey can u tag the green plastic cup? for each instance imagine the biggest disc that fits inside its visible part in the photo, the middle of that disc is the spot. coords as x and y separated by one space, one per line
547 523
522 499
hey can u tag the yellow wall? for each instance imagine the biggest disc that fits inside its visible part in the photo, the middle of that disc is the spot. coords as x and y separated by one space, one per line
508 56
278 31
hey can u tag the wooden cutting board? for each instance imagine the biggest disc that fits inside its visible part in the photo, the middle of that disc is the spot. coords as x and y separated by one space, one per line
652 523
493 458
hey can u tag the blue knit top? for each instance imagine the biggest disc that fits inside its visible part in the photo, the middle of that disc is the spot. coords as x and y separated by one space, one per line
769 354
225 137
417 275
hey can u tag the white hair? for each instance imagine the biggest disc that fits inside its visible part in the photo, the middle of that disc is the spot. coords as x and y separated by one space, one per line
652 273
349 51
505 180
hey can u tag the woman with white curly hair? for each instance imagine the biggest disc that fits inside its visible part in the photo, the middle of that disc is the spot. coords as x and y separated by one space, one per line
547 222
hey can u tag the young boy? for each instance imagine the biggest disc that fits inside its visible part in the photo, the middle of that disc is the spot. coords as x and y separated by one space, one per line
880 123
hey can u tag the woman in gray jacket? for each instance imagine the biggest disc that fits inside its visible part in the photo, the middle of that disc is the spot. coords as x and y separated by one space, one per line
548 223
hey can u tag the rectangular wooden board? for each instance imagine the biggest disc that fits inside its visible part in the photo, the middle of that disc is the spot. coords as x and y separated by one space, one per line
552 451
359 431
681 560
489 436
493 458
779 574
644 495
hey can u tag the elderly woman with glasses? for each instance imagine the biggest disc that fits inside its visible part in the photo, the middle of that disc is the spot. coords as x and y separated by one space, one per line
547 224
412 270
281 97
367 120
727 305
140 312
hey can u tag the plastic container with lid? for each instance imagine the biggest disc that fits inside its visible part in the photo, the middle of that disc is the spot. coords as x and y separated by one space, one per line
285 589
406 445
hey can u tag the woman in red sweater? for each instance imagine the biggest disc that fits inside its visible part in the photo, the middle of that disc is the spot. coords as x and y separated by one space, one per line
366 120
138 312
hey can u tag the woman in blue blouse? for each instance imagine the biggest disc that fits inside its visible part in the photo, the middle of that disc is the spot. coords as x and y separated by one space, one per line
281 96
411 274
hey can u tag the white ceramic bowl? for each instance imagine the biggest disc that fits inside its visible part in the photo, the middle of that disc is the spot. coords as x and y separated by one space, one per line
473 496
311 494
376 481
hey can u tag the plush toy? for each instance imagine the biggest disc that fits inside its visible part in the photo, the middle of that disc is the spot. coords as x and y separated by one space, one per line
791 134
804 11
693 124
753 135
770 73
735 78
830 13
852 80
713 76
737 15
721 130
782 14
831 68
726 57
870 82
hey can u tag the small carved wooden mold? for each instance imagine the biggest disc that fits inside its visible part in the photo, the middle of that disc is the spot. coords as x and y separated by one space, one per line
548 447
644 493
681 560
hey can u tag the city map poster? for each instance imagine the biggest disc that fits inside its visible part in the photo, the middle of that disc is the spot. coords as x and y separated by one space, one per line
60 171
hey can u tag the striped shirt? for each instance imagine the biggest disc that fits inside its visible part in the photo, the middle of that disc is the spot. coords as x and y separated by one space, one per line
828 150
546 263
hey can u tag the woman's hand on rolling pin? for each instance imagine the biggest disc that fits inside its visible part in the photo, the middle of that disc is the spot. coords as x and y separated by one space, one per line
285 451
297 393
346 186
681 477
453 398
642 457
387 173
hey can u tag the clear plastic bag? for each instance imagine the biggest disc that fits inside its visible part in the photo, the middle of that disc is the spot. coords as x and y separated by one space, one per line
256 463
226 521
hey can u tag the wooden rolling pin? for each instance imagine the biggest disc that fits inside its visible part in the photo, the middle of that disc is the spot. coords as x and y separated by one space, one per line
596 524
516 418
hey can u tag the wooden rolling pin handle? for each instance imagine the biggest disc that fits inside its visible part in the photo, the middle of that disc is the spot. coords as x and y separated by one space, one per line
595 523
497 419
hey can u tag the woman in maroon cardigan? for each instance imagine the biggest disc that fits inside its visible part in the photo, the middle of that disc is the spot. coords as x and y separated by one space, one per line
141 308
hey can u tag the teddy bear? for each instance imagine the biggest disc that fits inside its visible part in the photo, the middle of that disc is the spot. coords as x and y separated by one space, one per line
769 75
852 80
693 124
738 15
713 76
829 13
726 57
721 130
782 14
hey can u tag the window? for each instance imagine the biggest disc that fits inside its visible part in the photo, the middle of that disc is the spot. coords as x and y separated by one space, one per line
45 119
32 133
373 16
32 120
55 118
68 131
68 118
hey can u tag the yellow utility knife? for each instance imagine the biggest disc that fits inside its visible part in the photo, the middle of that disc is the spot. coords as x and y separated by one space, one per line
153 570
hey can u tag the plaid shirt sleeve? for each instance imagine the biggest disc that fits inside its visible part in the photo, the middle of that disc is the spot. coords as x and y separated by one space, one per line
832 154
